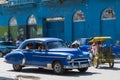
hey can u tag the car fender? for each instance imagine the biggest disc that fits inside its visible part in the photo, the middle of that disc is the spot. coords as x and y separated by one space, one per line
15 58
60 57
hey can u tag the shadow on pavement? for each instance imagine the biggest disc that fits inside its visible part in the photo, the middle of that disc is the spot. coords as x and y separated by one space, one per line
50 72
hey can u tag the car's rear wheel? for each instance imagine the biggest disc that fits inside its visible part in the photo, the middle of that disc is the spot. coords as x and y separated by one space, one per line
58 68
83 69
17 67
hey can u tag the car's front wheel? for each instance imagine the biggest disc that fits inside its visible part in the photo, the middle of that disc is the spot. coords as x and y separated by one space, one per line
58 68
83 69
17 67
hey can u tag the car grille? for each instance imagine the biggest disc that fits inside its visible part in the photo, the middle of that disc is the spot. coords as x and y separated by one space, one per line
81 59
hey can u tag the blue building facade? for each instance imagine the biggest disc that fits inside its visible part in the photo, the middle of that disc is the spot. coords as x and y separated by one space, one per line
66 19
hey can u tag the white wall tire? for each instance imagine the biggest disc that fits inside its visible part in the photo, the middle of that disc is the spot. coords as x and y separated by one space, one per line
17 67
58 68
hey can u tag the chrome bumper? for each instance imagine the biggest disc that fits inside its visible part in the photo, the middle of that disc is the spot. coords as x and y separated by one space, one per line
78 64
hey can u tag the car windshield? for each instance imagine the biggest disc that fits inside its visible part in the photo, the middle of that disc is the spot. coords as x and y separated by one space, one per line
84 41
87 42
6 43
56 44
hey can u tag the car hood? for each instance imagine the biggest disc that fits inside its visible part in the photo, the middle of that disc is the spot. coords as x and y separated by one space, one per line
67 51
85 48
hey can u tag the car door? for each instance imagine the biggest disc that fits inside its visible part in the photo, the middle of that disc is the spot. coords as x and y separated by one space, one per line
39 54
28 52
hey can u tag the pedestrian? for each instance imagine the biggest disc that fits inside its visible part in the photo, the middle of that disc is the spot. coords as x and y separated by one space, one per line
18 42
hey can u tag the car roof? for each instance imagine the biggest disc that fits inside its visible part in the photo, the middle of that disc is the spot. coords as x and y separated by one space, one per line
45 39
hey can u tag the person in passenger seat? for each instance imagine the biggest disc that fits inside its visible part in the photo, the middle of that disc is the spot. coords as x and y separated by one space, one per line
29 46
39 47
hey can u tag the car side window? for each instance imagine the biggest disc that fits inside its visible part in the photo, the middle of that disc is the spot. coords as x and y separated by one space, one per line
40 46
28 46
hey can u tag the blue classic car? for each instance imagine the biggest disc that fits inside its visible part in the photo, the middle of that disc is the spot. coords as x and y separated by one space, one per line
6 47
48 53
82 43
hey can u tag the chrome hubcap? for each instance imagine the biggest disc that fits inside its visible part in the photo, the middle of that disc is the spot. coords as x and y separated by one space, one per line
57 67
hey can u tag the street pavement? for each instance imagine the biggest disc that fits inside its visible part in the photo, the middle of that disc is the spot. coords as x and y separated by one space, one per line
33 73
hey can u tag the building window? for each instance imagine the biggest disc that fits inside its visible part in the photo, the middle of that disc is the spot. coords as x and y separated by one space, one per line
32 20
32 27
3 1
78 16
13 21
108 14
12 31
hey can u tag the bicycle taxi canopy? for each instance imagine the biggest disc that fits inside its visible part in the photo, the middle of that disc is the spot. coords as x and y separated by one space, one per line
102 39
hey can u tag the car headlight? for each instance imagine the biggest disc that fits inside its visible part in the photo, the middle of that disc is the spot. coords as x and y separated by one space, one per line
68 57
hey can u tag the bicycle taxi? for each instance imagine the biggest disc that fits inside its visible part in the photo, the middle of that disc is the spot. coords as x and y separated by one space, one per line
102 54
